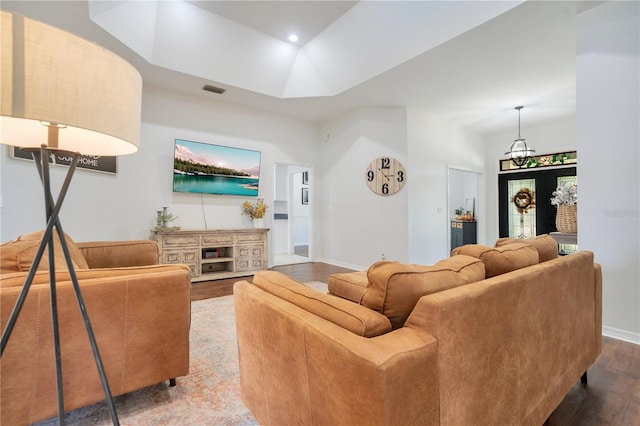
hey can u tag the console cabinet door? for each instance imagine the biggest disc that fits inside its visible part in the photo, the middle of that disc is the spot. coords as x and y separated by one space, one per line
462 233
250 258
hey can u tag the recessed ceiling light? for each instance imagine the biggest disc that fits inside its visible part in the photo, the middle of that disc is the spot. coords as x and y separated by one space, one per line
293 38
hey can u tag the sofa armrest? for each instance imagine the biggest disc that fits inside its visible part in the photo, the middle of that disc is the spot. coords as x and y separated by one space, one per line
597 271
17 279
351 285
353 317
113 254
496 335
290 358
141 323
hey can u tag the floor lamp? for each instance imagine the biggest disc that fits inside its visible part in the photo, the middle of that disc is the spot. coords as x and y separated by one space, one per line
63 95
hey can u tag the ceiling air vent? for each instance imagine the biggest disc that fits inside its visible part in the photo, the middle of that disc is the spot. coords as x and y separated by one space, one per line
214 89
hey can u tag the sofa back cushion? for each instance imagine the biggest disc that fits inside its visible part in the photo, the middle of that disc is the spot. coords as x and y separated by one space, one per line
546 246
18 255
346 314
395 287
499 260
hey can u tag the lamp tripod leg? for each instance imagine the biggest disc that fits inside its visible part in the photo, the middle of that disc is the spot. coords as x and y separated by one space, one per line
88 327
53 299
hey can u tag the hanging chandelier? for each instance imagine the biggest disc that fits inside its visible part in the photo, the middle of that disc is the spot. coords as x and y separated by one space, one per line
519 153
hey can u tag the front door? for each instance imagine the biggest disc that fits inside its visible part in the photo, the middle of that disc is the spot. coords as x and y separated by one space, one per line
537 218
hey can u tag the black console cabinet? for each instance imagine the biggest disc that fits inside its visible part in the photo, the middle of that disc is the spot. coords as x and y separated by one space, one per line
463 232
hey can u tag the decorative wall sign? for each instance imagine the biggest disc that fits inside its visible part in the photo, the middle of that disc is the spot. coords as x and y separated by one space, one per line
546 160
106 164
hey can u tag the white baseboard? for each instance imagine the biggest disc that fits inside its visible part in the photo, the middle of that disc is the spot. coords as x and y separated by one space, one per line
343 265
625 335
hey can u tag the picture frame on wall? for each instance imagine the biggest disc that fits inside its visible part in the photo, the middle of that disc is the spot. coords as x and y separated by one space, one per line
305 195
305 178
104 164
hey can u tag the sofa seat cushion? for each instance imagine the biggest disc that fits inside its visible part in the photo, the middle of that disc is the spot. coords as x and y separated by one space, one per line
18 255
395 288
499 260
546 246
348 315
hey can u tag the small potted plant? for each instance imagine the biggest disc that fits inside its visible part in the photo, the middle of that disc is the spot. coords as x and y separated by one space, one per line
164 218
459 212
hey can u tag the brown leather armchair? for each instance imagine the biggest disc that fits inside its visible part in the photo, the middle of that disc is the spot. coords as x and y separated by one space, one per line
140 314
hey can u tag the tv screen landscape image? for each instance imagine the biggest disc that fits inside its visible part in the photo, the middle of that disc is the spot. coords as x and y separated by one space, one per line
215 169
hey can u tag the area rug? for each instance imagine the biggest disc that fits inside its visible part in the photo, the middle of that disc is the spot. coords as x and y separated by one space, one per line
209 395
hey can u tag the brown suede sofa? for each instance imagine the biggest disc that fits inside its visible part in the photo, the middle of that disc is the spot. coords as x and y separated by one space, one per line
139 311
502 350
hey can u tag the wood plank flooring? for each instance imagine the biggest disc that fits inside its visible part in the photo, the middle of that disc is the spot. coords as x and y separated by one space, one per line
612 396
303 272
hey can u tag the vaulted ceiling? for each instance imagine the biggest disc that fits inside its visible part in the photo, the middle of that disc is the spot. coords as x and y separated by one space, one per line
467 61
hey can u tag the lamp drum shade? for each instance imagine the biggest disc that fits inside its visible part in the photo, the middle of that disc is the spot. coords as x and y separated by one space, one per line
49 76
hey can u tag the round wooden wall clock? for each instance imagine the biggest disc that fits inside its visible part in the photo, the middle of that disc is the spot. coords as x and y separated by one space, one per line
385 176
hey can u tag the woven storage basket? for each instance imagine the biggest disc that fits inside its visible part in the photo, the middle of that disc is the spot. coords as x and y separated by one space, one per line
567 219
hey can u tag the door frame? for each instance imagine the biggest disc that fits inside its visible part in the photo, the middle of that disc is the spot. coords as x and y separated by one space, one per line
546 182
291 198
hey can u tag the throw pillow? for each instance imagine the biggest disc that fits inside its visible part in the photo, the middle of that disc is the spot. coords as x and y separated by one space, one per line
396 287
18 255
546 246
499 260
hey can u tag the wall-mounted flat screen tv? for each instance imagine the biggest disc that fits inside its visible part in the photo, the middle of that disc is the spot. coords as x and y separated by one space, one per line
215 169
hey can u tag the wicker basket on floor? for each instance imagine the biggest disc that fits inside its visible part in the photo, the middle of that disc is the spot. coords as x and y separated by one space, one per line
567 219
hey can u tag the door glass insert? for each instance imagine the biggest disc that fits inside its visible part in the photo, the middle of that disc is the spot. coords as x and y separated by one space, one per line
522 218
567 180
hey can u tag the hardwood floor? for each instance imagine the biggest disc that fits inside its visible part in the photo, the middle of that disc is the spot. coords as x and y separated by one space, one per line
612 396
304 272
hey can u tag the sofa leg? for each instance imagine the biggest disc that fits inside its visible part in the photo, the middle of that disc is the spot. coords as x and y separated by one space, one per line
583 378
172 382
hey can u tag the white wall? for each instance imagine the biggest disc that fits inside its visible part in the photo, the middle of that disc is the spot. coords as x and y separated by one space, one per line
433 146
280 228
546 138
356 226
608 135
110 207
